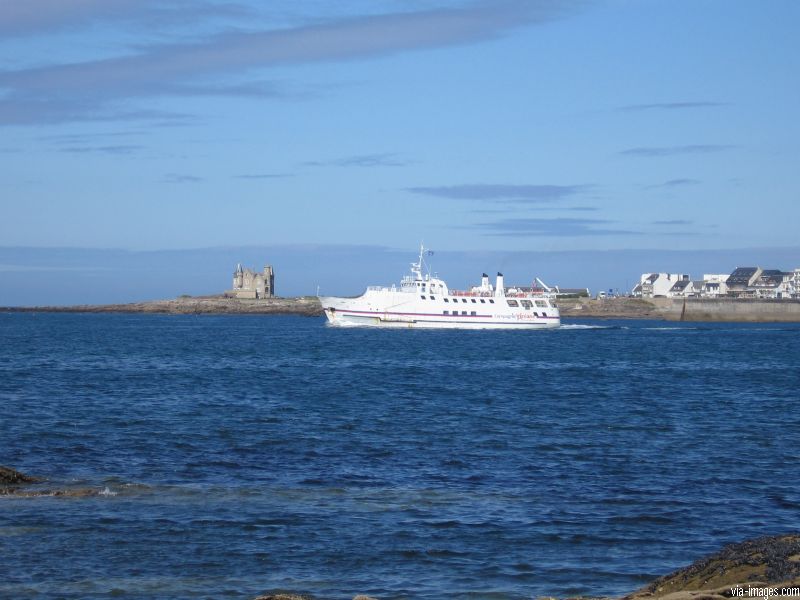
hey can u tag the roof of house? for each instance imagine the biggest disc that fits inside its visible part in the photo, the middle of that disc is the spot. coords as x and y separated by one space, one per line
741 275
769 278
680 285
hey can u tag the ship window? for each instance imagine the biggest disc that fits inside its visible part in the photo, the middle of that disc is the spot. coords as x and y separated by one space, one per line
473 300
483 301
433 297
541 304
491 301
473 313
464 300
423 297
446 300
512 303
463 312
445 312
526 304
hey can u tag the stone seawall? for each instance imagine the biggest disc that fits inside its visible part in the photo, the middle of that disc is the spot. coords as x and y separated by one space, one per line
708 309
690 309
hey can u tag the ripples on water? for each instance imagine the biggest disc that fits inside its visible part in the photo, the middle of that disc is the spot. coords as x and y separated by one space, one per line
240 454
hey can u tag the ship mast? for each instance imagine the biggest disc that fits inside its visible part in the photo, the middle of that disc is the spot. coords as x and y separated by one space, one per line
416 268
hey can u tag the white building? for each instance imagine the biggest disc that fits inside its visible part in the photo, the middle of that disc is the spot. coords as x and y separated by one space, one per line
773 284
714 285
794 292
654 285
743 282
683 288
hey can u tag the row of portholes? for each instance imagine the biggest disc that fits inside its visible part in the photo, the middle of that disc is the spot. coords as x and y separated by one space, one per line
455 300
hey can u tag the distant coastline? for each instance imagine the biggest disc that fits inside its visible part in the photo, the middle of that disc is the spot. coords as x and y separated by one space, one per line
666 309
193 305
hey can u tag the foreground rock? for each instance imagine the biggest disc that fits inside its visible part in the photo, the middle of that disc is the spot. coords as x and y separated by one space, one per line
11 477
767 562
12 483
308 306
765 566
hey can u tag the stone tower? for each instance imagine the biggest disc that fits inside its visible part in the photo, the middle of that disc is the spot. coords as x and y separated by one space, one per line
238 277
249 284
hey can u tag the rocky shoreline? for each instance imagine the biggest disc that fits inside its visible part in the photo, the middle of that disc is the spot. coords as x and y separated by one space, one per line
307 306
746 569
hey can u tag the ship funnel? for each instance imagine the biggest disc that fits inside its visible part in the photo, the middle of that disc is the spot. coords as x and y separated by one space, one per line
500 289
484 282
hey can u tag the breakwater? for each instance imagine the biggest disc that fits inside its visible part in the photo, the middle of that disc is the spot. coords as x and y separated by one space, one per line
688 309
710 309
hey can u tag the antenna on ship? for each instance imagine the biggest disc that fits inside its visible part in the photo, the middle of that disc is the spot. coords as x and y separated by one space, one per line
416 268
422 254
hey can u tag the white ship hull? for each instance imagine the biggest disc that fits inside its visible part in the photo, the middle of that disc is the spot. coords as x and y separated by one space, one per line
369 311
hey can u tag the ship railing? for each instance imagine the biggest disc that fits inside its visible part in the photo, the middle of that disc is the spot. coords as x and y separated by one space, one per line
484 294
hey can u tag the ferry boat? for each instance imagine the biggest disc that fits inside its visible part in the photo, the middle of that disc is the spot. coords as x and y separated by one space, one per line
425 301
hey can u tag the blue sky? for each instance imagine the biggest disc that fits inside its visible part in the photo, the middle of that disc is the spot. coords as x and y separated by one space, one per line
330 138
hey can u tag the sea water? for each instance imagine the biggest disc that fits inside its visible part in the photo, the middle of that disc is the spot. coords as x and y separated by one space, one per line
235 455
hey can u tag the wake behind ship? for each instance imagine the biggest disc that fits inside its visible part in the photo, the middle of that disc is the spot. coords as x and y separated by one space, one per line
425 301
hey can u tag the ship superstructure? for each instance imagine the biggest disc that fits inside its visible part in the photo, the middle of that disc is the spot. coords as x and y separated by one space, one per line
423 300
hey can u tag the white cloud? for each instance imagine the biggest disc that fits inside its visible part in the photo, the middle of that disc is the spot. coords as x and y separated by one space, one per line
63 92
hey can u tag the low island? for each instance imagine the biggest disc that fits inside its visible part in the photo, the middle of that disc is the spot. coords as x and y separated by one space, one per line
307 306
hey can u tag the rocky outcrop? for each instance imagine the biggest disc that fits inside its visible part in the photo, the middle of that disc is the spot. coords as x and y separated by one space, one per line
610 308
756 568
11 477
13 483
63 493
766 562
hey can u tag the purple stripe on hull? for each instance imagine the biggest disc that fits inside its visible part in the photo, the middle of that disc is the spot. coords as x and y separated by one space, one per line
402 314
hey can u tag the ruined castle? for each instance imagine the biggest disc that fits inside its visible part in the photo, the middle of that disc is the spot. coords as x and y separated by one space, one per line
249 284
